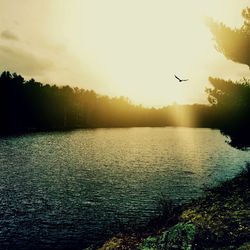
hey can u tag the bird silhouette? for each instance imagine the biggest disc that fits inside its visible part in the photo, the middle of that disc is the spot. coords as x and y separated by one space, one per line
180 80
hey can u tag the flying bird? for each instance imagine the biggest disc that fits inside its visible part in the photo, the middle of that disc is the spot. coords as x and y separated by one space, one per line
180 80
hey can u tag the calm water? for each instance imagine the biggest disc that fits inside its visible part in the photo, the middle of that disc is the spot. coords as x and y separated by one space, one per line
67 189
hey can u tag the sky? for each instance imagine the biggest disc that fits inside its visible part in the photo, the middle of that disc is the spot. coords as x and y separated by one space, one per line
129 48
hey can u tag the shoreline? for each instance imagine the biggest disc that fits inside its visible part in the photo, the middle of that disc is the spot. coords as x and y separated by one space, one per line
218 220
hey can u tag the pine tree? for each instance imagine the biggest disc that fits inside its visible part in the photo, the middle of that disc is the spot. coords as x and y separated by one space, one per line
231 100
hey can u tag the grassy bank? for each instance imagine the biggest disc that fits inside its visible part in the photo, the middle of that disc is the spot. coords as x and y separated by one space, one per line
219 220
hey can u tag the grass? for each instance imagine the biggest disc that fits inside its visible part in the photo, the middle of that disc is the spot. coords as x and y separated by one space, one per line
223 215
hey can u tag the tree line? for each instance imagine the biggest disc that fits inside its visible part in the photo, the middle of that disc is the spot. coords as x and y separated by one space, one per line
31 105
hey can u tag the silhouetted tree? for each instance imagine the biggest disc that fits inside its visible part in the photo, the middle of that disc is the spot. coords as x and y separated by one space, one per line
231 101
233 43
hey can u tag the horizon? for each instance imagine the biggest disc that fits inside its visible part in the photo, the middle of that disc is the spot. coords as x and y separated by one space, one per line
113 52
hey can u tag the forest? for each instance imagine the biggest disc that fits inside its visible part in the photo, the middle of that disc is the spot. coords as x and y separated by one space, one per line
30 105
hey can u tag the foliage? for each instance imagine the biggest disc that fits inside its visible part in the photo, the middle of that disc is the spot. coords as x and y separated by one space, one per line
231 101
178 237
150 243
233 43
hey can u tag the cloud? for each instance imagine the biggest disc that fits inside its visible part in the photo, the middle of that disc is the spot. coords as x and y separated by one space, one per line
6 34
23 61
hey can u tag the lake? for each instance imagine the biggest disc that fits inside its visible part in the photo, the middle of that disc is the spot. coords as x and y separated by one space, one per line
64 190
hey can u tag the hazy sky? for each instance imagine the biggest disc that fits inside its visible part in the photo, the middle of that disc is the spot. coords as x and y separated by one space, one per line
119 47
